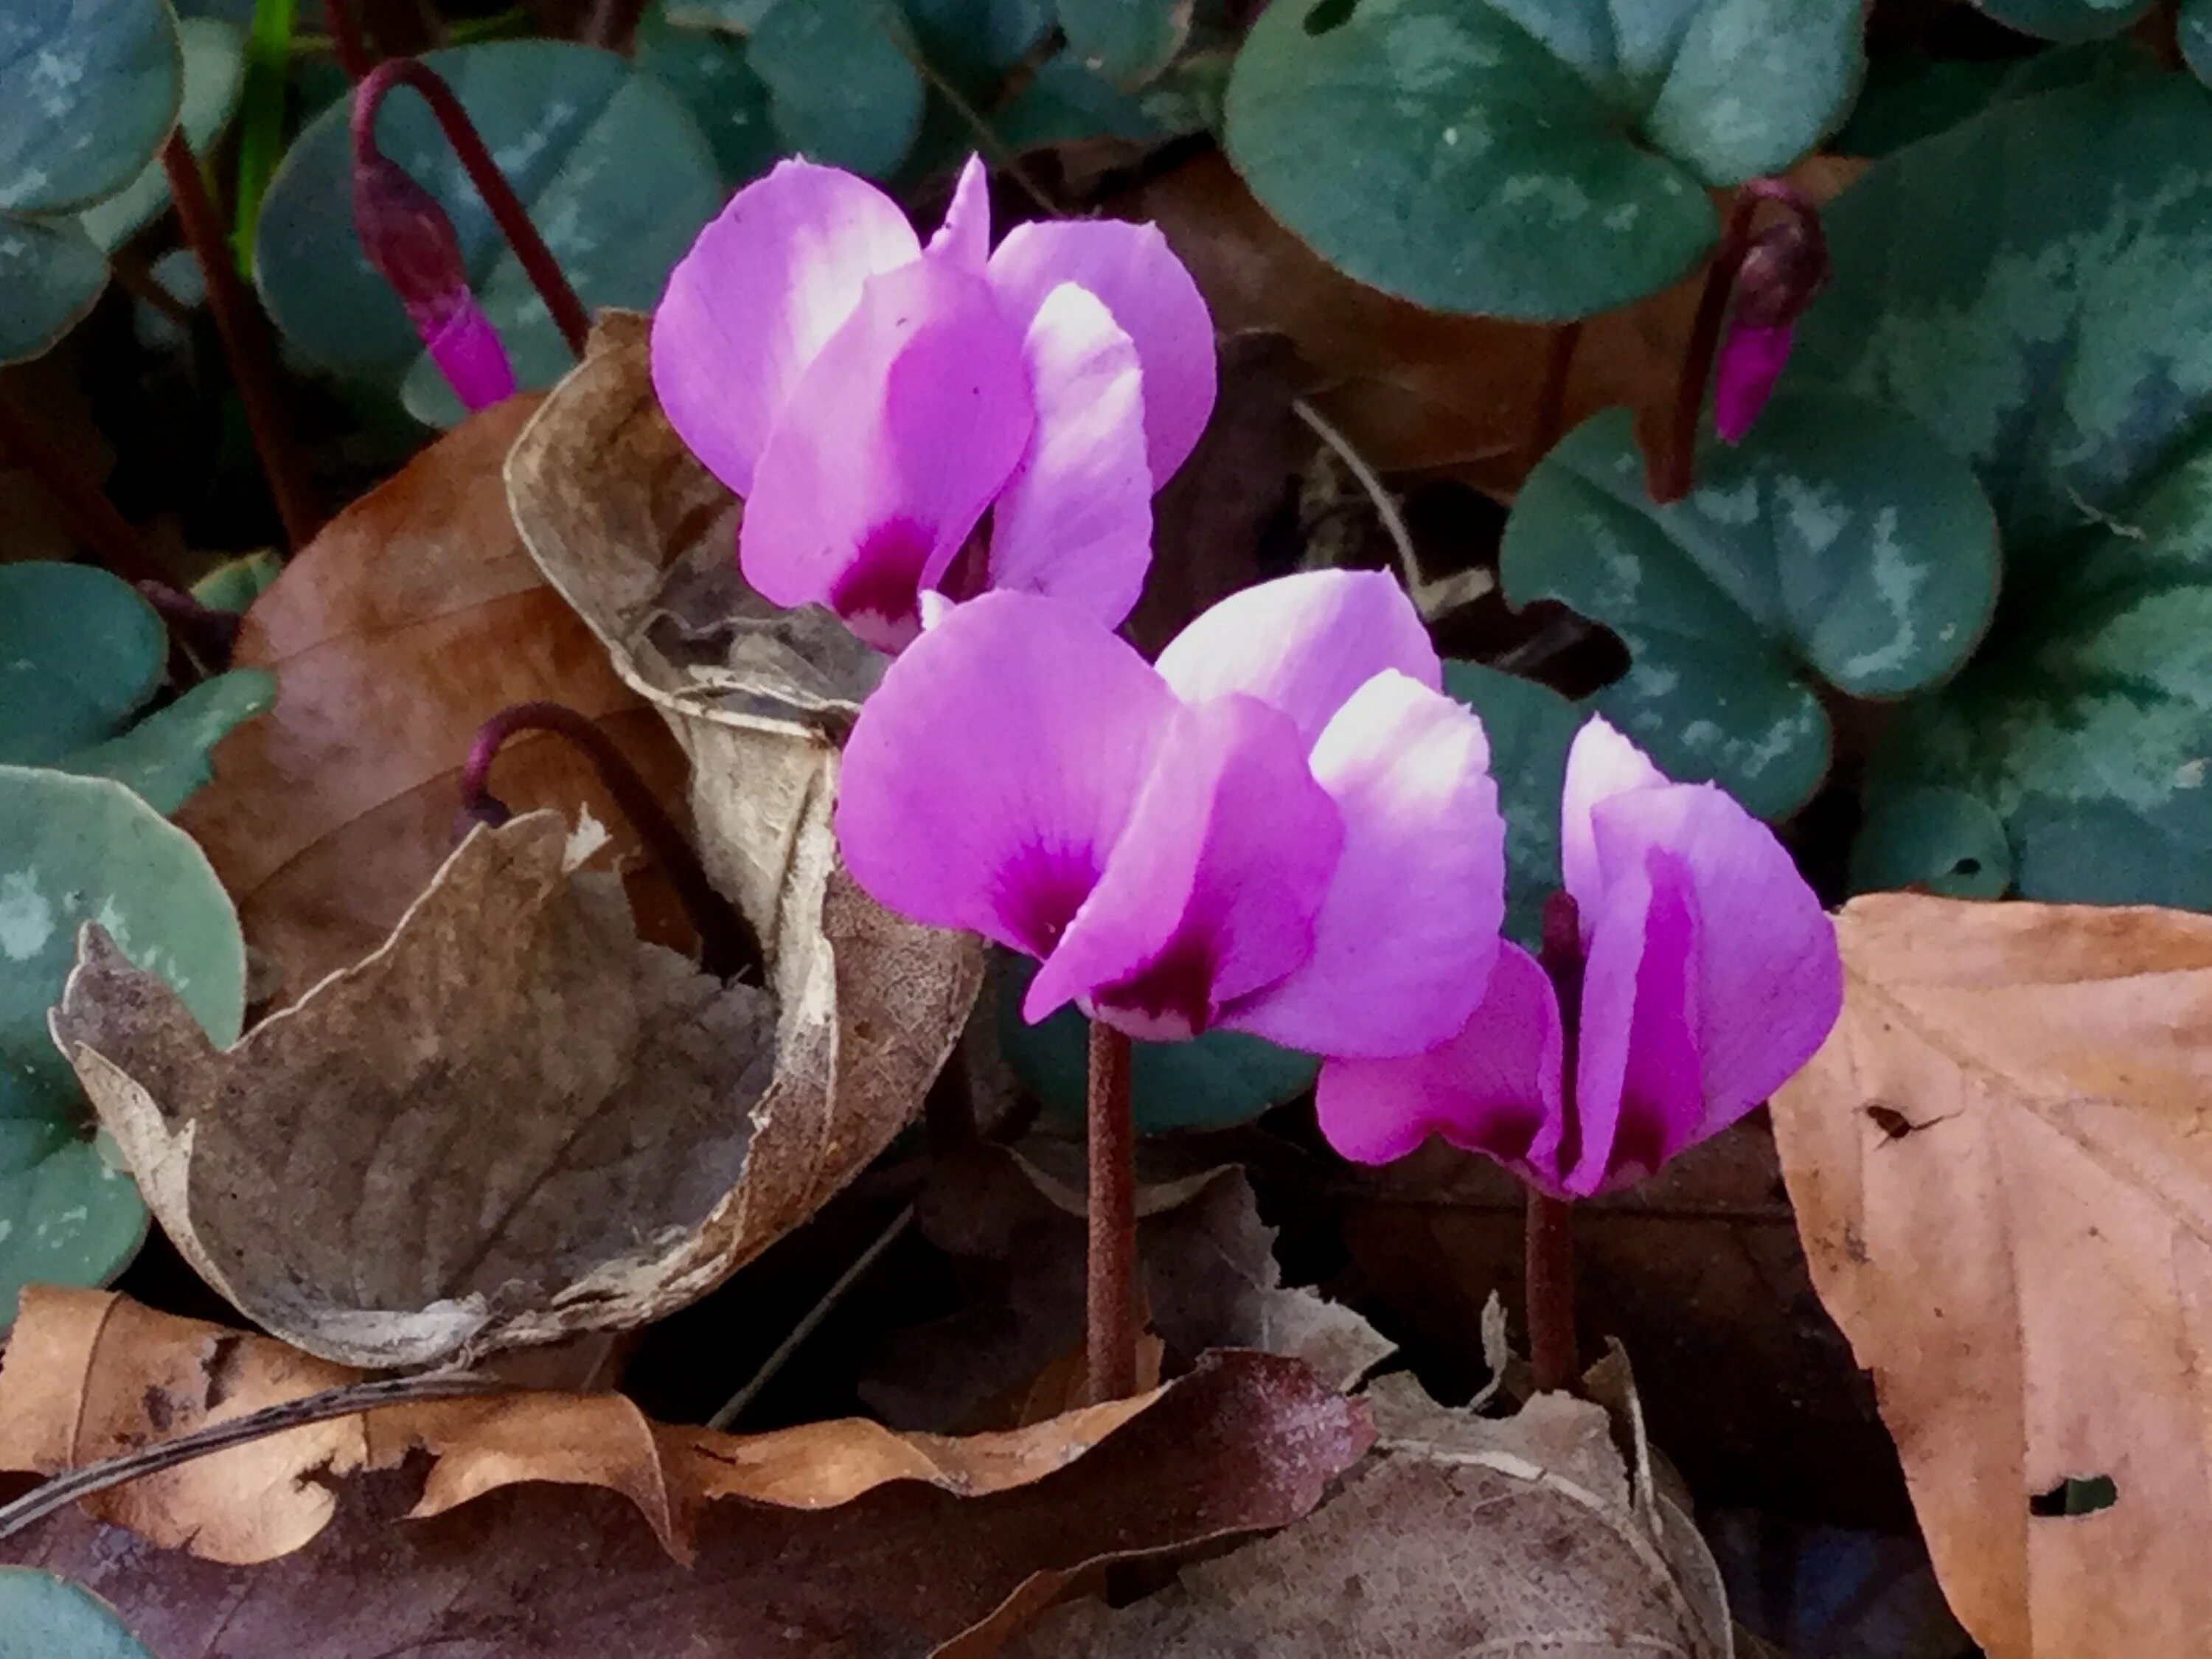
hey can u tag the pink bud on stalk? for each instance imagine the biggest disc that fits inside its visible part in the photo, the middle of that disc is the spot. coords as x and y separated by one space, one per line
1784 265
409 241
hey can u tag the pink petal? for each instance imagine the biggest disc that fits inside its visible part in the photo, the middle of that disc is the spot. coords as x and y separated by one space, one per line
1077 520
1211 892
1303 644
1601 764
1134 271
1638 1096
964 238
894 443
1769 984
1492 1088
991 773
1751 361
468 353
1405 937
759 294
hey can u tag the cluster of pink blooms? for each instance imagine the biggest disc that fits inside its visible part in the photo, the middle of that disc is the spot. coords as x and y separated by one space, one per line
1282 826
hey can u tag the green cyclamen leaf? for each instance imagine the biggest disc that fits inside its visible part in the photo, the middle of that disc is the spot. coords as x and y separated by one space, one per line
42 1617
1530 727
1534 158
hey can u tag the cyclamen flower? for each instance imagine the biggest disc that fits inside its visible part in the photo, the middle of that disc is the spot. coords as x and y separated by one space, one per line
407 237
1283 828
1784 267
871 399
1708 975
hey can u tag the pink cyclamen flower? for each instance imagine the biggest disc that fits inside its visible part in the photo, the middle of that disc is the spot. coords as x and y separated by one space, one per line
1784 267
407 237
870 398
1283 828
1708 975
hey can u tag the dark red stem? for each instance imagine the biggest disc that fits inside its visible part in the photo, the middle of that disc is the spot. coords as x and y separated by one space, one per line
352 45
209 634
728 946
1668 464
1549 1259
506 209
86 512
1110 1346
245 343
1551 422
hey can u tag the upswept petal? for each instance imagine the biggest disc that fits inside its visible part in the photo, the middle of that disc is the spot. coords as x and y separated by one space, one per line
1076 522
1405 937
1303 644
1211 890
1637 1090
761 292
895 440
1494 1088
1600 764
1132 269
964 238
990 773
1768 982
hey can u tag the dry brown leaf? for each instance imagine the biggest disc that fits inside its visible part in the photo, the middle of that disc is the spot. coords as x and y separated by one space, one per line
2000 1163
1416 389
411 619
515 1120
522 1537
1524 1539
1207 1272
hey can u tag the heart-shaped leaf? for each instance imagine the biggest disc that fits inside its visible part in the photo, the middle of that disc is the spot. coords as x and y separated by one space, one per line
1530 726
840 85
1211 1082
2060 339
41 1615
214 74
2193 29
976 41
2066 20
1942 841
707 68
615 173
1128 41
89 89
1840 543
1528 157
80 654
74 850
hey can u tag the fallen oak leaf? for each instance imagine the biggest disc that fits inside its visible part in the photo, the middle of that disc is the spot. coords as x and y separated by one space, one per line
410 619
1460 1535
1999 1166
515 1120
855 1541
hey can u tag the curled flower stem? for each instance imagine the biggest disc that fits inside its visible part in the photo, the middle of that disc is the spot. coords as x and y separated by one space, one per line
245 344
1549 1244
1111 1305
728 946
330 1405
86 511
506 209
1668 462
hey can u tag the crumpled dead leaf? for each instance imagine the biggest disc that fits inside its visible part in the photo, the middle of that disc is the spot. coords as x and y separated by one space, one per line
1017 1232
523 1534
1522 1537
515 1120
2000 1166
1414 390
410 619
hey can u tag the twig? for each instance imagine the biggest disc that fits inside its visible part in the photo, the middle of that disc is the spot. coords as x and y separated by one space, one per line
1001 154
728 946
245 343
1562 633
1111 1333
1431 598
332 1403
133 278
85 508
736 1406
535 259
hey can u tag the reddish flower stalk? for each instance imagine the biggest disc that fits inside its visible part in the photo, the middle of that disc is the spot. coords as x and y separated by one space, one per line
90 516
728 946
350 44
245 344
1549 1259
1110 1319
1772 275
209 634
506 209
